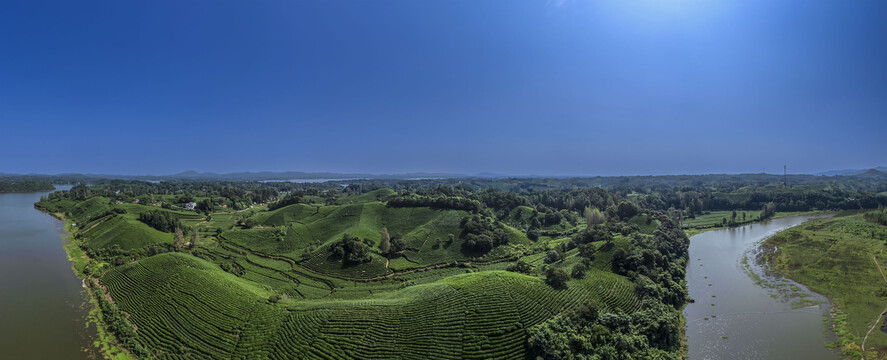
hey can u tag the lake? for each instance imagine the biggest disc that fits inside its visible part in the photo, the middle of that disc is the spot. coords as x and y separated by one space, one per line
736 317
43 306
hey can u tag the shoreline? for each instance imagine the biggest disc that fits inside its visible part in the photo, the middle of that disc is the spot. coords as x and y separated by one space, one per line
691 232
107 344
764 280
836 322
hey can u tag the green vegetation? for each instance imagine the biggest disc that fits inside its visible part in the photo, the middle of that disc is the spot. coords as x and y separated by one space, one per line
721 218
12 186
511 268
842 258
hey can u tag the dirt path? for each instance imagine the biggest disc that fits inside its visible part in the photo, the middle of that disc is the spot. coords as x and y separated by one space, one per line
880 315
104 291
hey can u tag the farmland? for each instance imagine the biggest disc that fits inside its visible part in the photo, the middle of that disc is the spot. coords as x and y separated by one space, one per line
284 283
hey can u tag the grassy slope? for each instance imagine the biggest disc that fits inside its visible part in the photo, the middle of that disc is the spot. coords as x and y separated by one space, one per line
715 217
123 231
188 308
834 257
426 233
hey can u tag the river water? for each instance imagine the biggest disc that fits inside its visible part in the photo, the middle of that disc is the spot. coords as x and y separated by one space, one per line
741 311
43 306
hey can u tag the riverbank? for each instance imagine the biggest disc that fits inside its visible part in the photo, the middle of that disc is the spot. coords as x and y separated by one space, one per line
108 344
734 316
696 230
840 258
45 307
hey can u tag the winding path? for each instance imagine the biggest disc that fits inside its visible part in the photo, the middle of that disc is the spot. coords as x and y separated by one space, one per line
881 314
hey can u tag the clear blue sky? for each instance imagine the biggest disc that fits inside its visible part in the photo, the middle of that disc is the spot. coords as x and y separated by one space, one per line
598 87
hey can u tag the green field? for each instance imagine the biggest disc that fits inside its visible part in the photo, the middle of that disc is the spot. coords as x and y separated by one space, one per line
715 218
276 291
840 258
472 315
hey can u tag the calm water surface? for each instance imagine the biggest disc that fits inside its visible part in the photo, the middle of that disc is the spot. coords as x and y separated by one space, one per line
748 320
42 303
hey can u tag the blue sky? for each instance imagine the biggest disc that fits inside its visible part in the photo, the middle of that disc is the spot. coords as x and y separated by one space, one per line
602 87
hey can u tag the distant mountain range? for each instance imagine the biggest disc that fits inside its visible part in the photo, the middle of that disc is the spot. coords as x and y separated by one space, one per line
260 176
300 176
849 172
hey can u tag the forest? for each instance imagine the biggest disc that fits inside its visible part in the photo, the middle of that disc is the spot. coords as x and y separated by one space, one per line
12 186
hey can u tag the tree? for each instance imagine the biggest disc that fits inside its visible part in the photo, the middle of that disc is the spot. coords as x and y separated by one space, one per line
160 220
626 210
743 216
276 298
556 277
195 237
579 271
768 210
593 216
587 251
206 206
385 244
397 245
521 267
351 250
178 239
553 256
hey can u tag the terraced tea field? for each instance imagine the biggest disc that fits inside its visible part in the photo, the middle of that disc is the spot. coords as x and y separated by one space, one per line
276 290
184 307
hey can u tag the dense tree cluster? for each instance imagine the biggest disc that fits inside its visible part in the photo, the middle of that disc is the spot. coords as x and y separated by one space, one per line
626 210
592 234
481 233
161 220
556 277
24 186
520 266
657 263
287 200
437 202
878 217
351 250
587 333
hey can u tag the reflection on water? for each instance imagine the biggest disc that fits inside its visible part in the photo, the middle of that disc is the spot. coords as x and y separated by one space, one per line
741 311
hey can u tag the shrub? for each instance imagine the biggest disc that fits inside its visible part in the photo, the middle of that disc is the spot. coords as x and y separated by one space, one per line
556 277
520 267
160 220
578 271
351 250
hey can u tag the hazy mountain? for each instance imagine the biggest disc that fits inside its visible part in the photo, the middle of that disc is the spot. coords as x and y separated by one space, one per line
849 172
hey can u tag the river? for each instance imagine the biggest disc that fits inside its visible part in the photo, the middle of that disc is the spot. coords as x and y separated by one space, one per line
741 311
43 306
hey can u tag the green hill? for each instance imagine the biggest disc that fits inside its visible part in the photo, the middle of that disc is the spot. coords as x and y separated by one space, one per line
185 307
455 279
122 231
